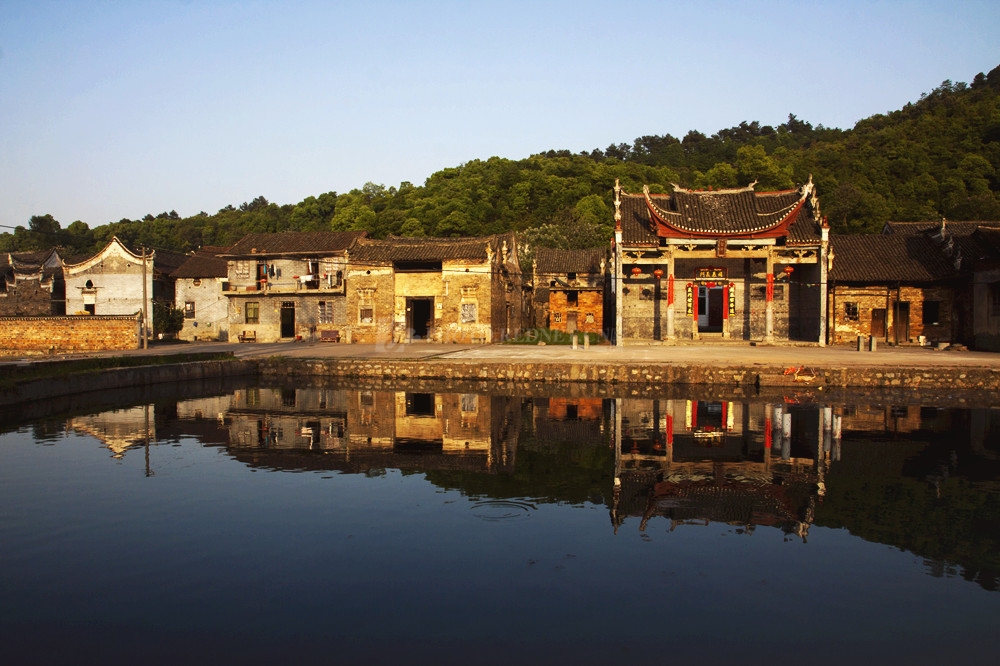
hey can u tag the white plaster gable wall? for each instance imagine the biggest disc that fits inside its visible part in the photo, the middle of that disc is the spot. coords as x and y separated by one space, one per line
116 276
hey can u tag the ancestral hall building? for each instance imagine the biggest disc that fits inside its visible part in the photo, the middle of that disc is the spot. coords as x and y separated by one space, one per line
732 263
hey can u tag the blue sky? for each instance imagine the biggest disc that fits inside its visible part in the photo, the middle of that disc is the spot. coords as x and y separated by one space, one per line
118 109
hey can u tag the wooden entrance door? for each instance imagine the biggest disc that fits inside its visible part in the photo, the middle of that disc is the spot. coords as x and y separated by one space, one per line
878 323
571 322
901 322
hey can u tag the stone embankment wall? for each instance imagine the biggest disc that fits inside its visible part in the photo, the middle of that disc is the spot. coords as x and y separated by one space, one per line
55 335
757 377
115 378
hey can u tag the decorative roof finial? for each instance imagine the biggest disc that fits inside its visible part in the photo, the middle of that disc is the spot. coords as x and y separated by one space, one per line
618 206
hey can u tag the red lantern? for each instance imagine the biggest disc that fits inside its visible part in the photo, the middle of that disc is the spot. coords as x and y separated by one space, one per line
710 285
636 271
658 273
789 270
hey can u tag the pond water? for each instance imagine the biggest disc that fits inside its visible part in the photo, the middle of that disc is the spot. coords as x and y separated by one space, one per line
329 523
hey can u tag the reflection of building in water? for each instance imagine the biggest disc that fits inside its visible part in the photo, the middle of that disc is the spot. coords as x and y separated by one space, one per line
120 429
742 464
577 420
358 429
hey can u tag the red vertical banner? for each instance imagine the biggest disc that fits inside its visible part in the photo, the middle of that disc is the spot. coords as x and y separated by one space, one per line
696 290
694 414
670 429
770 287
768 435
725 299
670 289
725 415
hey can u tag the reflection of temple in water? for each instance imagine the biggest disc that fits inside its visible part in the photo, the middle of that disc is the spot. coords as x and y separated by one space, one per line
744 464
358 430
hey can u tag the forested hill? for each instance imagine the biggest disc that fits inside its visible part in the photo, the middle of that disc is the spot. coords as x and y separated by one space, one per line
939 156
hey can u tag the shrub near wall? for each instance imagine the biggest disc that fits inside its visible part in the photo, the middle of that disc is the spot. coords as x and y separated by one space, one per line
76 333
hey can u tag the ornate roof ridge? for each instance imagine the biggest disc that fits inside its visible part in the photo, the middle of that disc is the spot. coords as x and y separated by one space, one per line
721 190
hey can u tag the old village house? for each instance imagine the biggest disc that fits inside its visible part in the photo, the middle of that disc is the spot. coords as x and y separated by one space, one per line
732 263
896 288
31 284
570 289
199 285
289 285
971 249
439 289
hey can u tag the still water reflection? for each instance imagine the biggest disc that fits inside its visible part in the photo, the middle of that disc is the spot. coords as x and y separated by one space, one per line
327 523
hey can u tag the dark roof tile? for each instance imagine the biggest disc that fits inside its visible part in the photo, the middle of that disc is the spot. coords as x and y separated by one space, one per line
205 263
880 258
548 260
303 243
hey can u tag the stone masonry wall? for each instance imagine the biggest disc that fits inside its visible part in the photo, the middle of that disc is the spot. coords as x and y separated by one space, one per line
69 333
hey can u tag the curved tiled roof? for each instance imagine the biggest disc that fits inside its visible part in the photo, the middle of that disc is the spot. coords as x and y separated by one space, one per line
732 213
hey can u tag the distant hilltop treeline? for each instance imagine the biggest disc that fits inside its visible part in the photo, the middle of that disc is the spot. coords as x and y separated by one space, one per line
936 157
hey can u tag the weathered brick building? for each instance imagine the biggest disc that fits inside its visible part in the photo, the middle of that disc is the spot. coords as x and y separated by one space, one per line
729 263
288 285
440 289
570 289
31 284
971 249
898 289
199 293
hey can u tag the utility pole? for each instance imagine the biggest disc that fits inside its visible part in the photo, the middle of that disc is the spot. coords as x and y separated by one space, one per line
145 308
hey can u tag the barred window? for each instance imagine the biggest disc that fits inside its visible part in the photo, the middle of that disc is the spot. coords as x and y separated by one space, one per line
325 315
366 314
189 309
851 311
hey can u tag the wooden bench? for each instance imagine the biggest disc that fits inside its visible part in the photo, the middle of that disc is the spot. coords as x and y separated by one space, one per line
247 336
329 336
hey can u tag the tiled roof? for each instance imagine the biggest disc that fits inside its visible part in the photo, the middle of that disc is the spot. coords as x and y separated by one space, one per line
723 213
966 242
369 250
295 242
167 262
548 260
205 263
881 258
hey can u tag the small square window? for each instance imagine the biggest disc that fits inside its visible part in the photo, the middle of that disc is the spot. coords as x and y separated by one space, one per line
851 311
189 309
366 314
252 313
572 297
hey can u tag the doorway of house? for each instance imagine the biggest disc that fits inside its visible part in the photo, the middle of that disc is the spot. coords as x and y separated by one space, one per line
571 322
878 323
710 309
901 322
419 317
288 319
